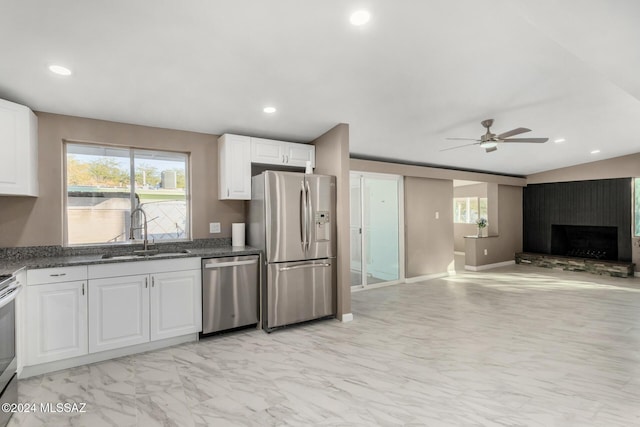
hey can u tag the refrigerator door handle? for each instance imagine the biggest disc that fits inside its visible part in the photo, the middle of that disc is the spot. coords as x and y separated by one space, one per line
298 267
303 217
309 215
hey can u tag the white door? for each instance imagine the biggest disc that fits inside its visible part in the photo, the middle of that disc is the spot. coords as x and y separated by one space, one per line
300 154
267 151
176 304
377 226
118 312
56 321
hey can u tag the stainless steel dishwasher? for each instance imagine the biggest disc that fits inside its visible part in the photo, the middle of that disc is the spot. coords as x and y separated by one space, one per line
229 292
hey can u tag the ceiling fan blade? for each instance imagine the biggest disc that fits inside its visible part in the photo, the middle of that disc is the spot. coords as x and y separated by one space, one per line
460 146
536 140
513 132
489 150
463 139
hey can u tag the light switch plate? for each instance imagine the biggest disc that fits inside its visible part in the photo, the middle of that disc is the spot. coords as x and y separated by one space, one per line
214 227
437 215
486 252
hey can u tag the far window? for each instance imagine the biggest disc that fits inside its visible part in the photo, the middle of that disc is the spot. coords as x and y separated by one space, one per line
636 205
467 210
105 184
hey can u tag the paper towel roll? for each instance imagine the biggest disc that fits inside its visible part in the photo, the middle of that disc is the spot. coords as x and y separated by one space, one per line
237 234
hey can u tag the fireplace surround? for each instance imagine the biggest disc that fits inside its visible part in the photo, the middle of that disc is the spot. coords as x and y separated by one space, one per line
599 207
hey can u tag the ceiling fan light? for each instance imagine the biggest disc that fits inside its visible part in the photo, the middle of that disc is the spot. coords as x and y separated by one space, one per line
488 144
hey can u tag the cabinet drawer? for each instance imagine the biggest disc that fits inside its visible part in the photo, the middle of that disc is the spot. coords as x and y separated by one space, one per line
56 275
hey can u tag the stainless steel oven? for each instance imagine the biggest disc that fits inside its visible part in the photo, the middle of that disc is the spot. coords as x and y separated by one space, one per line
9 288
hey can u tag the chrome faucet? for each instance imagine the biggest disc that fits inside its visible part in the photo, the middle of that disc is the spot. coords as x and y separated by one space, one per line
143 228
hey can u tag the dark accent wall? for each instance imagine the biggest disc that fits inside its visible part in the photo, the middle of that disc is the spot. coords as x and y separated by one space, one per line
604 202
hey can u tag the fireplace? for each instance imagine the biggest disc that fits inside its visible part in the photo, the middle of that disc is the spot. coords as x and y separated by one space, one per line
585 241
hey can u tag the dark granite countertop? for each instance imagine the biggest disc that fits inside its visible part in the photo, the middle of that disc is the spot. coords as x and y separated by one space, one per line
13 259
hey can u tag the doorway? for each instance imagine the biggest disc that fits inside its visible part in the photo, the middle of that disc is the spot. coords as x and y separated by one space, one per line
376 225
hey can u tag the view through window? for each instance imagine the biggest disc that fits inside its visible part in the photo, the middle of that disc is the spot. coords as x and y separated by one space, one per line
467 210
105 184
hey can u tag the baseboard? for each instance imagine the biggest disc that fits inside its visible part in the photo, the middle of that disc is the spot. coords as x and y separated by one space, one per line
427 277
43 368
347 317
458 253
488 266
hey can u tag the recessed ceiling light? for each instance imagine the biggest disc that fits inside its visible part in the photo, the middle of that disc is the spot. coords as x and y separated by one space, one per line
59 69
559 140
269 110
595 151
360 17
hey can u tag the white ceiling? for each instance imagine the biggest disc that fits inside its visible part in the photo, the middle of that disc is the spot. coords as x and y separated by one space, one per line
418 72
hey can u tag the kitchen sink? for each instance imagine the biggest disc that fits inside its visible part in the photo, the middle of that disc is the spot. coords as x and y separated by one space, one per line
145 255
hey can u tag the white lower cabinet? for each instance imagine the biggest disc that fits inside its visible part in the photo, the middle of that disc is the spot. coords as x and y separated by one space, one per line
118 312
175 304
56 321
131 310
105 307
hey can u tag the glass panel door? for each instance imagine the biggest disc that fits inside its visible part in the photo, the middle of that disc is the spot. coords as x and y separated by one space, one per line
375 229
355 230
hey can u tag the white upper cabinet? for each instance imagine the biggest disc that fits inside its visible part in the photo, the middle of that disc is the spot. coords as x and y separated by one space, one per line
267 151
19 148
236 153
234 167
300 154
272 152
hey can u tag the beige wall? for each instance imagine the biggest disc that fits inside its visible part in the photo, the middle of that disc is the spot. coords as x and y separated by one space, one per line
428 241
39 221
430 172
461 230
474 190
500 248
332 158
618 167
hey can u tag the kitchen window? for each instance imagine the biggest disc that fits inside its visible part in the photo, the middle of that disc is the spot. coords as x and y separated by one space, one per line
104 184
467 210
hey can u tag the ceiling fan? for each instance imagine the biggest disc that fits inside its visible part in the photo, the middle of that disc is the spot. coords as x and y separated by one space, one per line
489 141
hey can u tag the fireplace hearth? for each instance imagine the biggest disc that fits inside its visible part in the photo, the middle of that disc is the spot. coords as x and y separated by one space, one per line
585 241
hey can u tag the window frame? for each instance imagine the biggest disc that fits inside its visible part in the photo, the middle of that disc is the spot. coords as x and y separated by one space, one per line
132 195
468 200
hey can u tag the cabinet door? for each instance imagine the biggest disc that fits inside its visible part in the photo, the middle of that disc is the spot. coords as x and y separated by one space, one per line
267 151
18 145
56 321
234 167
118 312
300 154
176 304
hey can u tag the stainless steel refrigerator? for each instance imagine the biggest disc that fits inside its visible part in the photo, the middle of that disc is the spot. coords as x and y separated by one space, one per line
292 219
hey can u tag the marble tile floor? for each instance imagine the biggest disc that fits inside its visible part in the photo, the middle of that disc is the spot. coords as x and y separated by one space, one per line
515 346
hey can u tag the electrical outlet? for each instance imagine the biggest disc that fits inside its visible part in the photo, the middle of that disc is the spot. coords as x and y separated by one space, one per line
437 215
486 252
214 227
